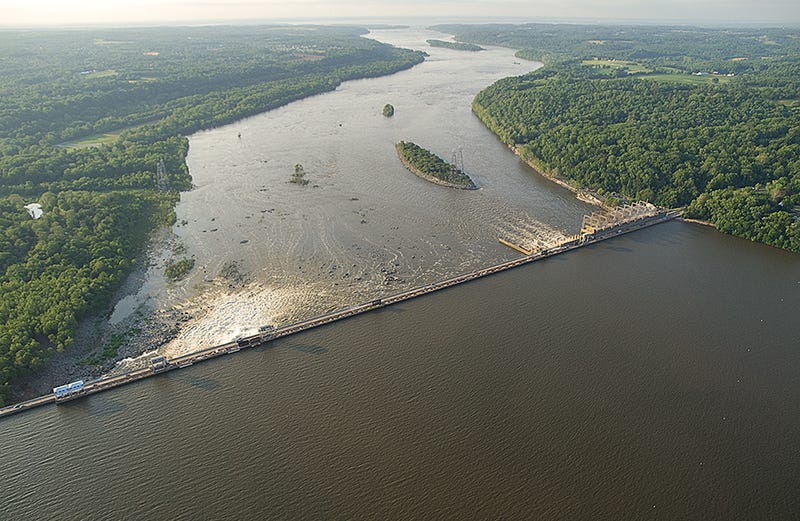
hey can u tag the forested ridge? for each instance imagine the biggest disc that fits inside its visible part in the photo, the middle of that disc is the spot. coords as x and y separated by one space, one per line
87 117
703 118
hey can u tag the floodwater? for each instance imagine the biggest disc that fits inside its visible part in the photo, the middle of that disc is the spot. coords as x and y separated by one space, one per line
654 376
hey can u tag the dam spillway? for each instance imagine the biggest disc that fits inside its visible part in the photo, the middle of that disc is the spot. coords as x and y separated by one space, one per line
266 335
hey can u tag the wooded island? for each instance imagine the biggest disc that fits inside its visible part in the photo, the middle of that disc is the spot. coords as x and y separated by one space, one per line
458 46
428 165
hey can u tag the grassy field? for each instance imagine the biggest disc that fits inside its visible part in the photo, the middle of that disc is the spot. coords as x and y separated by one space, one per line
641 71
101 74
632 67
789 102
687 79
98 139
93 141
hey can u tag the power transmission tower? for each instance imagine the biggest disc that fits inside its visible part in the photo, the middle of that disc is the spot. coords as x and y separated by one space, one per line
161 176
457 164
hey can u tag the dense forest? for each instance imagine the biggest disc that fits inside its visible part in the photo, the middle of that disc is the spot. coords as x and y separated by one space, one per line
92 128
427 164
703 118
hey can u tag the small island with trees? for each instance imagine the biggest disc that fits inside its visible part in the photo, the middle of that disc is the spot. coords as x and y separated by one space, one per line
298 177
175 270
388 110
458 46
431 167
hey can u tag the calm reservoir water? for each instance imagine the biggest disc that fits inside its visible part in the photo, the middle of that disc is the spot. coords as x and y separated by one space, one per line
656 376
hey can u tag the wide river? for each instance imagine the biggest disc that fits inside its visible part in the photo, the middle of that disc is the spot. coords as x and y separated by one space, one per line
654 376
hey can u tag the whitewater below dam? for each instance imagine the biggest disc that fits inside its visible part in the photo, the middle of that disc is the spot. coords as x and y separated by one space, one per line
363 226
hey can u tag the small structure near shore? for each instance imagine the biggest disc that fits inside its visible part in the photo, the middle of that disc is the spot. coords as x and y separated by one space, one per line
34 209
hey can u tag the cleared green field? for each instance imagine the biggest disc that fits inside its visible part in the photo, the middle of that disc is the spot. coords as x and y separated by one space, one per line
93 141
100 74
632 67
98 139
687 79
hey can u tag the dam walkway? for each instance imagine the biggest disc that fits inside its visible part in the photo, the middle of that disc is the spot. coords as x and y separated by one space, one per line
591 235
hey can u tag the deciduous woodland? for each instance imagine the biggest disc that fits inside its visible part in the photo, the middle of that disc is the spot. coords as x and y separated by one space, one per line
87 117
458 46
703 118
428 165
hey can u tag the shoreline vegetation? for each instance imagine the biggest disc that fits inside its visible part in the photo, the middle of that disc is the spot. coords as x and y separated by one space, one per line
582 193
298 176
660 116
102 202
699 221
175 270
458 46
427 165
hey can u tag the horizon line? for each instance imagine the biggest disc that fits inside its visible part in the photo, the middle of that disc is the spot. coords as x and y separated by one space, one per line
428 20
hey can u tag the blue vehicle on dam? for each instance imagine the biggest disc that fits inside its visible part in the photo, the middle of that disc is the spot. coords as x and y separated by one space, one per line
69 391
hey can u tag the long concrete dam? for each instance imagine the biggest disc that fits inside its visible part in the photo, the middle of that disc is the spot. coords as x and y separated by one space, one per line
160 364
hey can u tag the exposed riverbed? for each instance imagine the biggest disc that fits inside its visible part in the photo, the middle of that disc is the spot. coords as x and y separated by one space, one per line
363 226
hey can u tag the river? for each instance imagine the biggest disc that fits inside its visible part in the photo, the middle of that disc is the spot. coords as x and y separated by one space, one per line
654 376
364 226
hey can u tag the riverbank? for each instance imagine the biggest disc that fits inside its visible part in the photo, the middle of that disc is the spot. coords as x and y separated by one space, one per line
139 330
583 194
699 221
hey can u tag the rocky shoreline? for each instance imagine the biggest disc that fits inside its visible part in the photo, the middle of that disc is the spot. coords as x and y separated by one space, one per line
699 221
144 330
583 194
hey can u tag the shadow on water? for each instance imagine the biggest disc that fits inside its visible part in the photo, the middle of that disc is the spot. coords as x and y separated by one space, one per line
311 349
98 405
394 308
201 382
557 258
270 344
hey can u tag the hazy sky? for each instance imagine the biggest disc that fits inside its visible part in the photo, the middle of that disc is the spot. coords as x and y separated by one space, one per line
50 12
